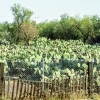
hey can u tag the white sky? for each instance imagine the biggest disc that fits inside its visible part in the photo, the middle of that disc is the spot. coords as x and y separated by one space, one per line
50 9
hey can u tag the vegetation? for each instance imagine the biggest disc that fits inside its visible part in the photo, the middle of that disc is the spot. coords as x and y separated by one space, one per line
27 32
60 57
75 28
60 46
23 29
72 96
42 46
86 29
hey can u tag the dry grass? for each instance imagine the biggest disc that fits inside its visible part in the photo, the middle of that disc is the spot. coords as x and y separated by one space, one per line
96 97
62 96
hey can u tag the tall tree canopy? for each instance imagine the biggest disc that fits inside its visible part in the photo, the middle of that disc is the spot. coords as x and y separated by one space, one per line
21 14
22 23
86 29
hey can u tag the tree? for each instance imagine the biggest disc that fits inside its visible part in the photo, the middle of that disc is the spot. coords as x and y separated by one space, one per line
84 28
27 32
66 27
96 26
4 30
21 15
47 29
12 33
87 29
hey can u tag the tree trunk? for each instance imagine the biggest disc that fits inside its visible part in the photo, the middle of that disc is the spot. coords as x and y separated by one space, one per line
27 42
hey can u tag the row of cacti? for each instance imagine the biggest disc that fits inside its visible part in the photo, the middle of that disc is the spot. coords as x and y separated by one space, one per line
58 55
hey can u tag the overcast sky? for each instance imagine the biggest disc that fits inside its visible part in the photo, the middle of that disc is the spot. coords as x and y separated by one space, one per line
50 9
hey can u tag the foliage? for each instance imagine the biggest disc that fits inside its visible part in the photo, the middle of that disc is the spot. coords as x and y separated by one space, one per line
3 30
46 29
21 14
75 28
22 20
86 29
27 32
60 57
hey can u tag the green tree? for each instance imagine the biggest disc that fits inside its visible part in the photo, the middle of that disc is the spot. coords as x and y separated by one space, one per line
83 27
63 27
96 26
74 24
66 28
46 29
87 28
21 15
4 30
12 33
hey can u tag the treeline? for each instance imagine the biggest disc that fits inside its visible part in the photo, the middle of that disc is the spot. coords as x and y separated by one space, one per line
86 29
23 29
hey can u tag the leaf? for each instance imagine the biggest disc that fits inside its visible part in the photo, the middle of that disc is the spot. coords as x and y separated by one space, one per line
78 65
85 66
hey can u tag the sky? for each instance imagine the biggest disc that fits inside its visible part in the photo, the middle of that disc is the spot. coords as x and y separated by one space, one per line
50 9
